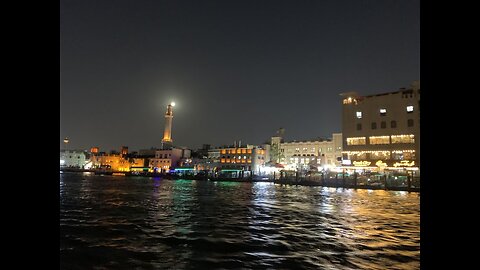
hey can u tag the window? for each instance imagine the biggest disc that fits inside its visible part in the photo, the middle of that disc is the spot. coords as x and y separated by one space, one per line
356 141
374 125
393 124
410 122
383 112
409 109
380 155
403 155
357 155
359 115
403 138
379 139
359 126
383 124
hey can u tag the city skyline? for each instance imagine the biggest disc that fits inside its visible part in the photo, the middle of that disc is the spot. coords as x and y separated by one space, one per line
237 70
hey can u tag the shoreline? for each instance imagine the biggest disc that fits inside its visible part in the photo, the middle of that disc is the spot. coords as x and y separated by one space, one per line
247 180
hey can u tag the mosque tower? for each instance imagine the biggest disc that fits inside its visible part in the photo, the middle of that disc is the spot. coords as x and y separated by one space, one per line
167 133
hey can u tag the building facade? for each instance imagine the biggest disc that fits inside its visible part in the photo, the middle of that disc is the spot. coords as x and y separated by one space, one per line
248 158
309 154
72 159
382 131
168 158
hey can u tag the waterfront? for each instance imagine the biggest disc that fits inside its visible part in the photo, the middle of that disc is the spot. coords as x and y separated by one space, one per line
110 222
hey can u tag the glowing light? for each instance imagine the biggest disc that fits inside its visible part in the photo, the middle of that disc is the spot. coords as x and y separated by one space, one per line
62 161
381 164
173 104
361 163
404 163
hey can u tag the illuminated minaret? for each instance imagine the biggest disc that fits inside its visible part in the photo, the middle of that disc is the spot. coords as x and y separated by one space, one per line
167 134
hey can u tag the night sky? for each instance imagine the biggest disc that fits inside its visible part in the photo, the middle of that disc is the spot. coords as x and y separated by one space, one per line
237 70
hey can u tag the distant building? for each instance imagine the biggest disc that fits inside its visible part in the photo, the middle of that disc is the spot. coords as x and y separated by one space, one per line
113 162
248 158
304 155
166 159
382 131
72 159
124 151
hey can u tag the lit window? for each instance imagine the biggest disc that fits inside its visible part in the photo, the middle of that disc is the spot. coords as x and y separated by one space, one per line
409 109
359 115
379 139
383 111
356 141
403 138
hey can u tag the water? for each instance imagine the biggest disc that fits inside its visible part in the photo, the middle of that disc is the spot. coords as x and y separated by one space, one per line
110 222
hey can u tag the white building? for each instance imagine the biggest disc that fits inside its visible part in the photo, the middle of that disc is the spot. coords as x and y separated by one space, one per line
302 155
73 159
168 158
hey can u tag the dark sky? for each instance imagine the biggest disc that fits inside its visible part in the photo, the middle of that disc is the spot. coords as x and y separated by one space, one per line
237 70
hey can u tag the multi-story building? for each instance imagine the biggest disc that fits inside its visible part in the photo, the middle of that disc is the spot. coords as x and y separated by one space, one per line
248 158
302 155
74 159
168 158
114 162
382 131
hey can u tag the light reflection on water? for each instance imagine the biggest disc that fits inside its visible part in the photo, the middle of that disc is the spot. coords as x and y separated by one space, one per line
136 222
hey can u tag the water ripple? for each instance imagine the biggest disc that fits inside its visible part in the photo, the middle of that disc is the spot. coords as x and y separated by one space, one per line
143 223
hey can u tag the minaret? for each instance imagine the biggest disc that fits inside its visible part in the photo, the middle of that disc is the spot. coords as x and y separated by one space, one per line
167 134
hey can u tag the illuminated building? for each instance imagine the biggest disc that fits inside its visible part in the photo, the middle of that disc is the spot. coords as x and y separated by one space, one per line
114 162
94 150
382 131
124 151
167 133
166 159
302 155
73 159
248 158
